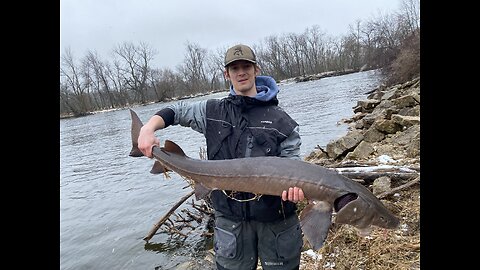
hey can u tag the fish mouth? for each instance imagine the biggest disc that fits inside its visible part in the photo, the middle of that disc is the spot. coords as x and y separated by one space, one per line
343 200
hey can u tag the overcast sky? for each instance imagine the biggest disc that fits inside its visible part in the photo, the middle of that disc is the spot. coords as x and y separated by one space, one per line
166 25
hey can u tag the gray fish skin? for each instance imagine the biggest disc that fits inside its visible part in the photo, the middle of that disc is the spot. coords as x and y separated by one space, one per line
273 175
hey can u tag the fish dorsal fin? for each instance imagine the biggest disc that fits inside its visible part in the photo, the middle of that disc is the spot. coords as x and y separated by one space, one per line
172 147
315 220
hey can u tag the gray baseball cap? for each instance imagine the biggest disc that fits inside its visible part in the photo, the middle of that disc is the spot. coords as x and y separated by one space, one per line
240 52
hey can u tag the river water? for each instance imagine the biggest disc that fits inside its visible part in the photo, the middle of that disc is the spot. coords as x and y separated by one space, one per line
109 201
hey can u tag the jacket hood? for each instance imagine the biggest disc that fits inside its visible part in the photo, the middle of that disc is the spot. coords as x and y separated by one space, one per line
267 88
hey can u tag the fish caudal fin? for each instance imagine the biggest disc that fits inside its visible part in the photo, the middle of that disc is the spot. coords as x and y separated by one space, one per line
315 220
135 132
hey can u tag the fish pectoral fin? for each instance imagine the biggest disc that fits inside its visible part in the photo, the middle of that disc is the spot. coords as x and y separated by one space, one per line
315 220
159 168
201 191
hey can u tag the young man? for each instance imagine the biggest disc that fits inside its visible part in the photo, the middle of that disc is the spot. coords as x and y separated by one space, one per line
247 123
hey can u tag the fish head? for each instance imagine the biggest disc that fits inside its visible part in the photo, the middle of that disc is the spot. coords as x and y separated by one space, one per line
363 212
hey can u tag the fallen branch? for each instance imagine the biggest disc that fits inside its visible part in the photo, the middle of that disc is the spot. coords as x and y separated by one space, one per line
205 209
369 177
393 190
172 230
192 216
166 216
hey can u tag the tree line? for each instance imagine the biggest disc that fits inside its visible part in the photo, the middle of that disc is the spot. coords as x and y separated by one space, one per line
389 42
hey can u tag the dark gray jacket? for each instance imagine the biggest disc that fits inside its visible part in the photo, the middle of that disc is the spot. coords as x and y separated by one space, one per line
237 127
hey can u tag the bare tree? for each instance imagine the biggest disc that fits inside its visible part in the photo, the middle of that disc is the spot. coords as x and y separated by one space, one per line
216 67
294 54
101 80
169 84
193 68
135 67
410 11
91 84
312 48
367 40
387 38
70 74
116 77
67 101
271 56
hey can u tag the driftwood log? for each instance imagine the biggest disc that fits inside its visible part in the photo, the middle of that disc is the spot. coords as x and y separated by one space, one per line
369 177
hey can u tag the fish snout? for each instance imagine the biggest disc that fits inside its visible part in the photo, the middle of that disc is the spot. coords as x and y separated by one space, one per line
393 223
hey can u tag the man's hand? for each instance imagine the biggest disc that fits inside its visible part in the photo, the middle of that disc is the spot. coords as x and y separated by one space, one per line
146 137
146 141
293 194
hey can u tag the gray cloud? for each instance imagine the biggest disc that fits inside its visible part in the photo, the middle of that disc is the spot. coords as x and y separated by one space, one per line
100 25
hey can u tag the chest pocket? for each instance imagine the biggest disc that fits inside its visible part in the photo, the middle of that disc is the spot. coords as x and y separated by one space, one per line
265 142
217 131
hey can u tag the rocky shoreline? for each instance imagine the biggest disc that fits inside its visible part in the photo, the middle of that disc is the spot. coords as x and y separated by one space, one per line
386 123
382 151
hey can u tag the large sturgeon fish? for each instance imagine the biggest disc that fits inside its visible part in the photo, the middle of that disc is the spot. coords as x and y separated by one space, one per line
326 190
